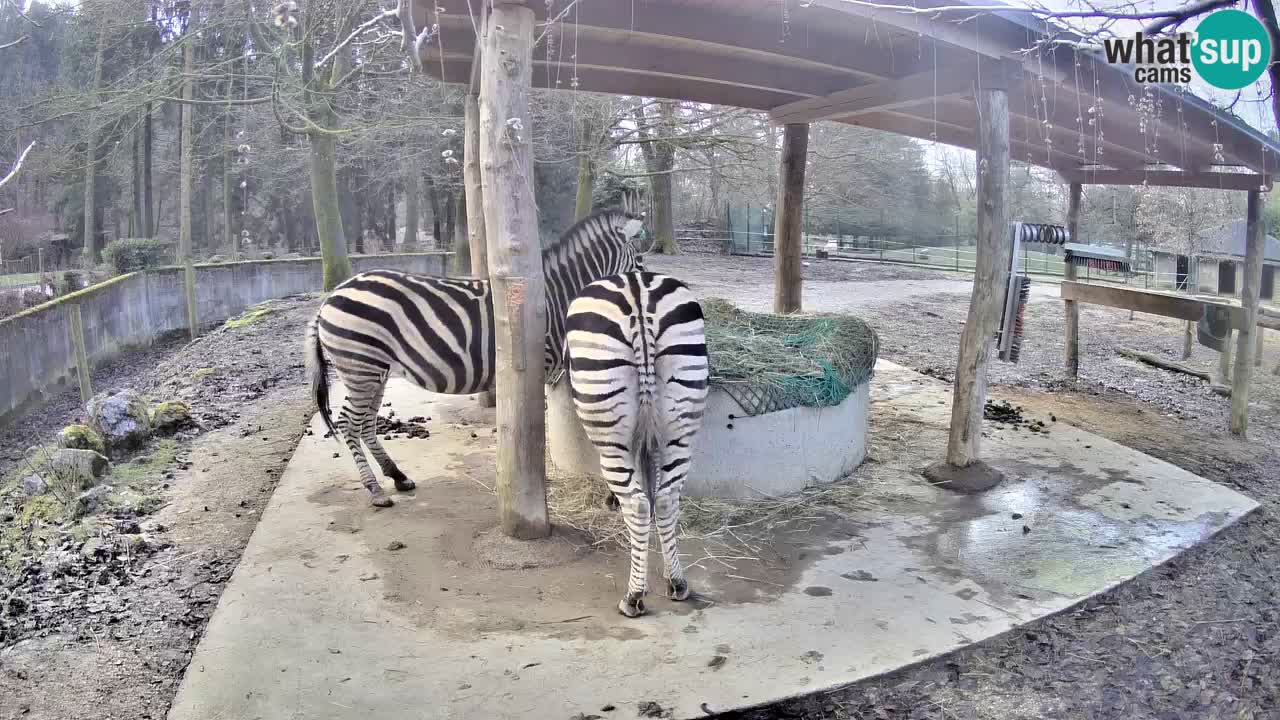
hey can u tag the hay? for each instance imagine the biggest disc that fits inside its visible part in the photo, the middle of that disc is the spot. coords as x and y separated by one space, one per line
768 362
736 527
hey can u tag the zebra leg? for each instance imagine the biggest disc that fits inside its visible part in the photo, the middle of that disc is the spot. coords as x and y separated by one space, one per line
360 402
369 433
667 511
637 512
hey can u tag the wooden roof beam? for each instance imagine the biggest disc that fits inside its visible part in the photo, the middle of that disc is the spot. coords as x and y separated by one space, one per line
1168 178
875 97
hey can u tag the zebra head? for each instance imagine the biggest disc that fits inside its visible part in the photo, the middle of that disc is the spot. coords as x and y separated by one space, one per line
633 202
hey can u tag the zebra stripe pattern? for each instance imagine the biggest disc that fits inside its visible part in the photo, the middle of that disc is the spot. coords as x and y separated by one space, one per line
638 374
439 332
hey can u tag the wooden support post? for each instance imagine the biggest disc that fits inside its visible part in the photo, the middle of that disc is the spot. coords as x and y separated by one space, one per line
475 205
1261 345
990 273
788 242
1069 273
515 268
1255 233
189 284
75 327
1224 361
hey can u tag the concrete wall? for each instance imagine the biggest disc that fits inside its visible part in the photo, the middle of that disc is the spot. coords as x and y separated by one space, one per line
774 454
36 354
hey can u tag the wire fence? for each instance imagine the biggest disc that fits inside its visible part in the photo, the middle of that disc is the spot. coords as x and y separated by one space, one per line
28 271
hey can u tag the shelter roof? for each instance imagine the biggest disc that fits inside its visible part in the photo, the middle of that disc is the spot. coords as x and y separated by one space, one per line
882 64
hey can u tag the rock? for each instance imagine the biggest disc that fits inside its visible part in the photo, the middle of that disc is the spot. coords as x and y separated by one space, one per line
81 437
90 501
170 417
77 470
121 419
34 485
267 255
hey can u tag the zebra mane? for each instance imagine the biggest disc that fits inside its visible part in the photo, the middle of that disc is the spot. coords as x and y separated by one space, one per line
596 221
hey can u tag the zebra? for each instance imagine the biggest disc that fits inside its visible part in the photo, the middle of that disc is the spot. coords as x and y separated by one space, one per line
638 367
439 332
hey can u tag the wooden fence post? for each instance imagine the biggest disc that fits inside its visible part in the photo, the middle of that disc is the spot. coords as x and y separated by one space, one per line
788 238
75 327
1250 290
189 284
1224 360
515 268
1069 273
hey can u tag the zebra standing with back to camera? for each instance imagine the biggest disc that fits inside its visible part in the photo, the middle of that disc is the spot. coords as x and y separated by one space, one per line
638 371
439 332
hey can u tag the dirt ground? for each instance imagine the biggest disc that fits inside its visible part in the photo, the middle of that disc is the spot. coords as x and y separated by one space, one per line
110 636
107 633
1195 638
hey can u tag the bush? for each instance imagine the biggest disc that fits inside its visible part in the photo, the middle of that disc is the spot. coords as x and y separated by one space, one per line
133 254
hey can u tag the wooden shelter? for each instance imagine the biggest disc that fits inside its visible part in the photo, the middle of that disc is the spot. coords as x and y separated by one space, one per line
1005 84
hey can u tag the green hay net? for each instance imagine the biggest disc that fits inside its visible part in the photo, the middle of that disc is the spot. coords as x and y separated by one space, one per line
768 362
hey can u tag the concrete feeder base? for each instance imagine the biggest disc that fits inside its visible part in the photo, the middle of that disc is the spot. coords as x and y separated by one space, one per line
737 456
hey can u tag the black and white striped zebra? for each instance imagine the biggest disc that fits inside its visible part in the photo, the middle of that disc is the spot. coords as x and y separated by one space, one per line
439 332
637 364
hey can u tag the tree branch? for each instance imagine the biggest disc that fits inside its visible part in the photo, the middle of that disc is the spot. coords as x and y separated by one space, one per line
17 166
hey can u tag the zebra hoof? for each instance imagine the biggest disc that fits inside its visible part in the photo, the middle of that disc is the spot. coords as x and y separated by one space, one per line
405 484
632 605
381 501
678 589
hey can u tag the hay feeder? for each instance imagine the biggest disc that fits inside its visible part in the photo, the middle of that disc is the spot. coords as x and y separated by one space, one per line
787 409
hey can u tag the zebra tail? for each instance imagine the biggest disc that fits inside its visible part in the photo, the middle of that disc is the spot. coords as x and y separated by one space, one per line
318 374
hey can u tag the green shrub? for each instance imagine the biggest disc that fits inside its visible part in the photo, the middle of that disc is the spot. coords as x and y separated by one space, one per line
132 254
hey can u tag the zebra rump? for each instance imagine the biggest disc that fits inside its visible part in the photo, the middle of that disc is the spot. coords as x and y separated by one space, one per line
638 369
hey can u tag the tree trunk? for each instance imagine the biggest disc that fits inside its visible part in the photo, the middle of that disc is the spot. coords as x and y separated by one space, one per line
1188 340
148 201
186 160
228 236
389 225
324 202
450 217
992 267
461 243
135 179
586 169
411 192
92 246
789 245
433 199
511 227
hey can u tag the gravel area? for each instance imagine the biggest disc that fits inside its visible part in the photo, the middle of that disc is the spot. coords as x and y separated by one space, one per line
99 616
1198 637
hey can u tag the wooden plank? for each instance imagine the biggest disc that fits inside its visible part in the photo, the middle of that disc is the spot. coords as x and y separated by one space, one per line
1169 178
1175 306
992 265
872 97
787 227
1157 361
474 192
515 269
1255 234
1069 273
75 327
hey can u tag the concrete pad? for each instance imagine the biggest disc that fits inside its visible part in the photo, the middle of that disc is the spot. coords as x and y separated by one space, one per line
322 620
